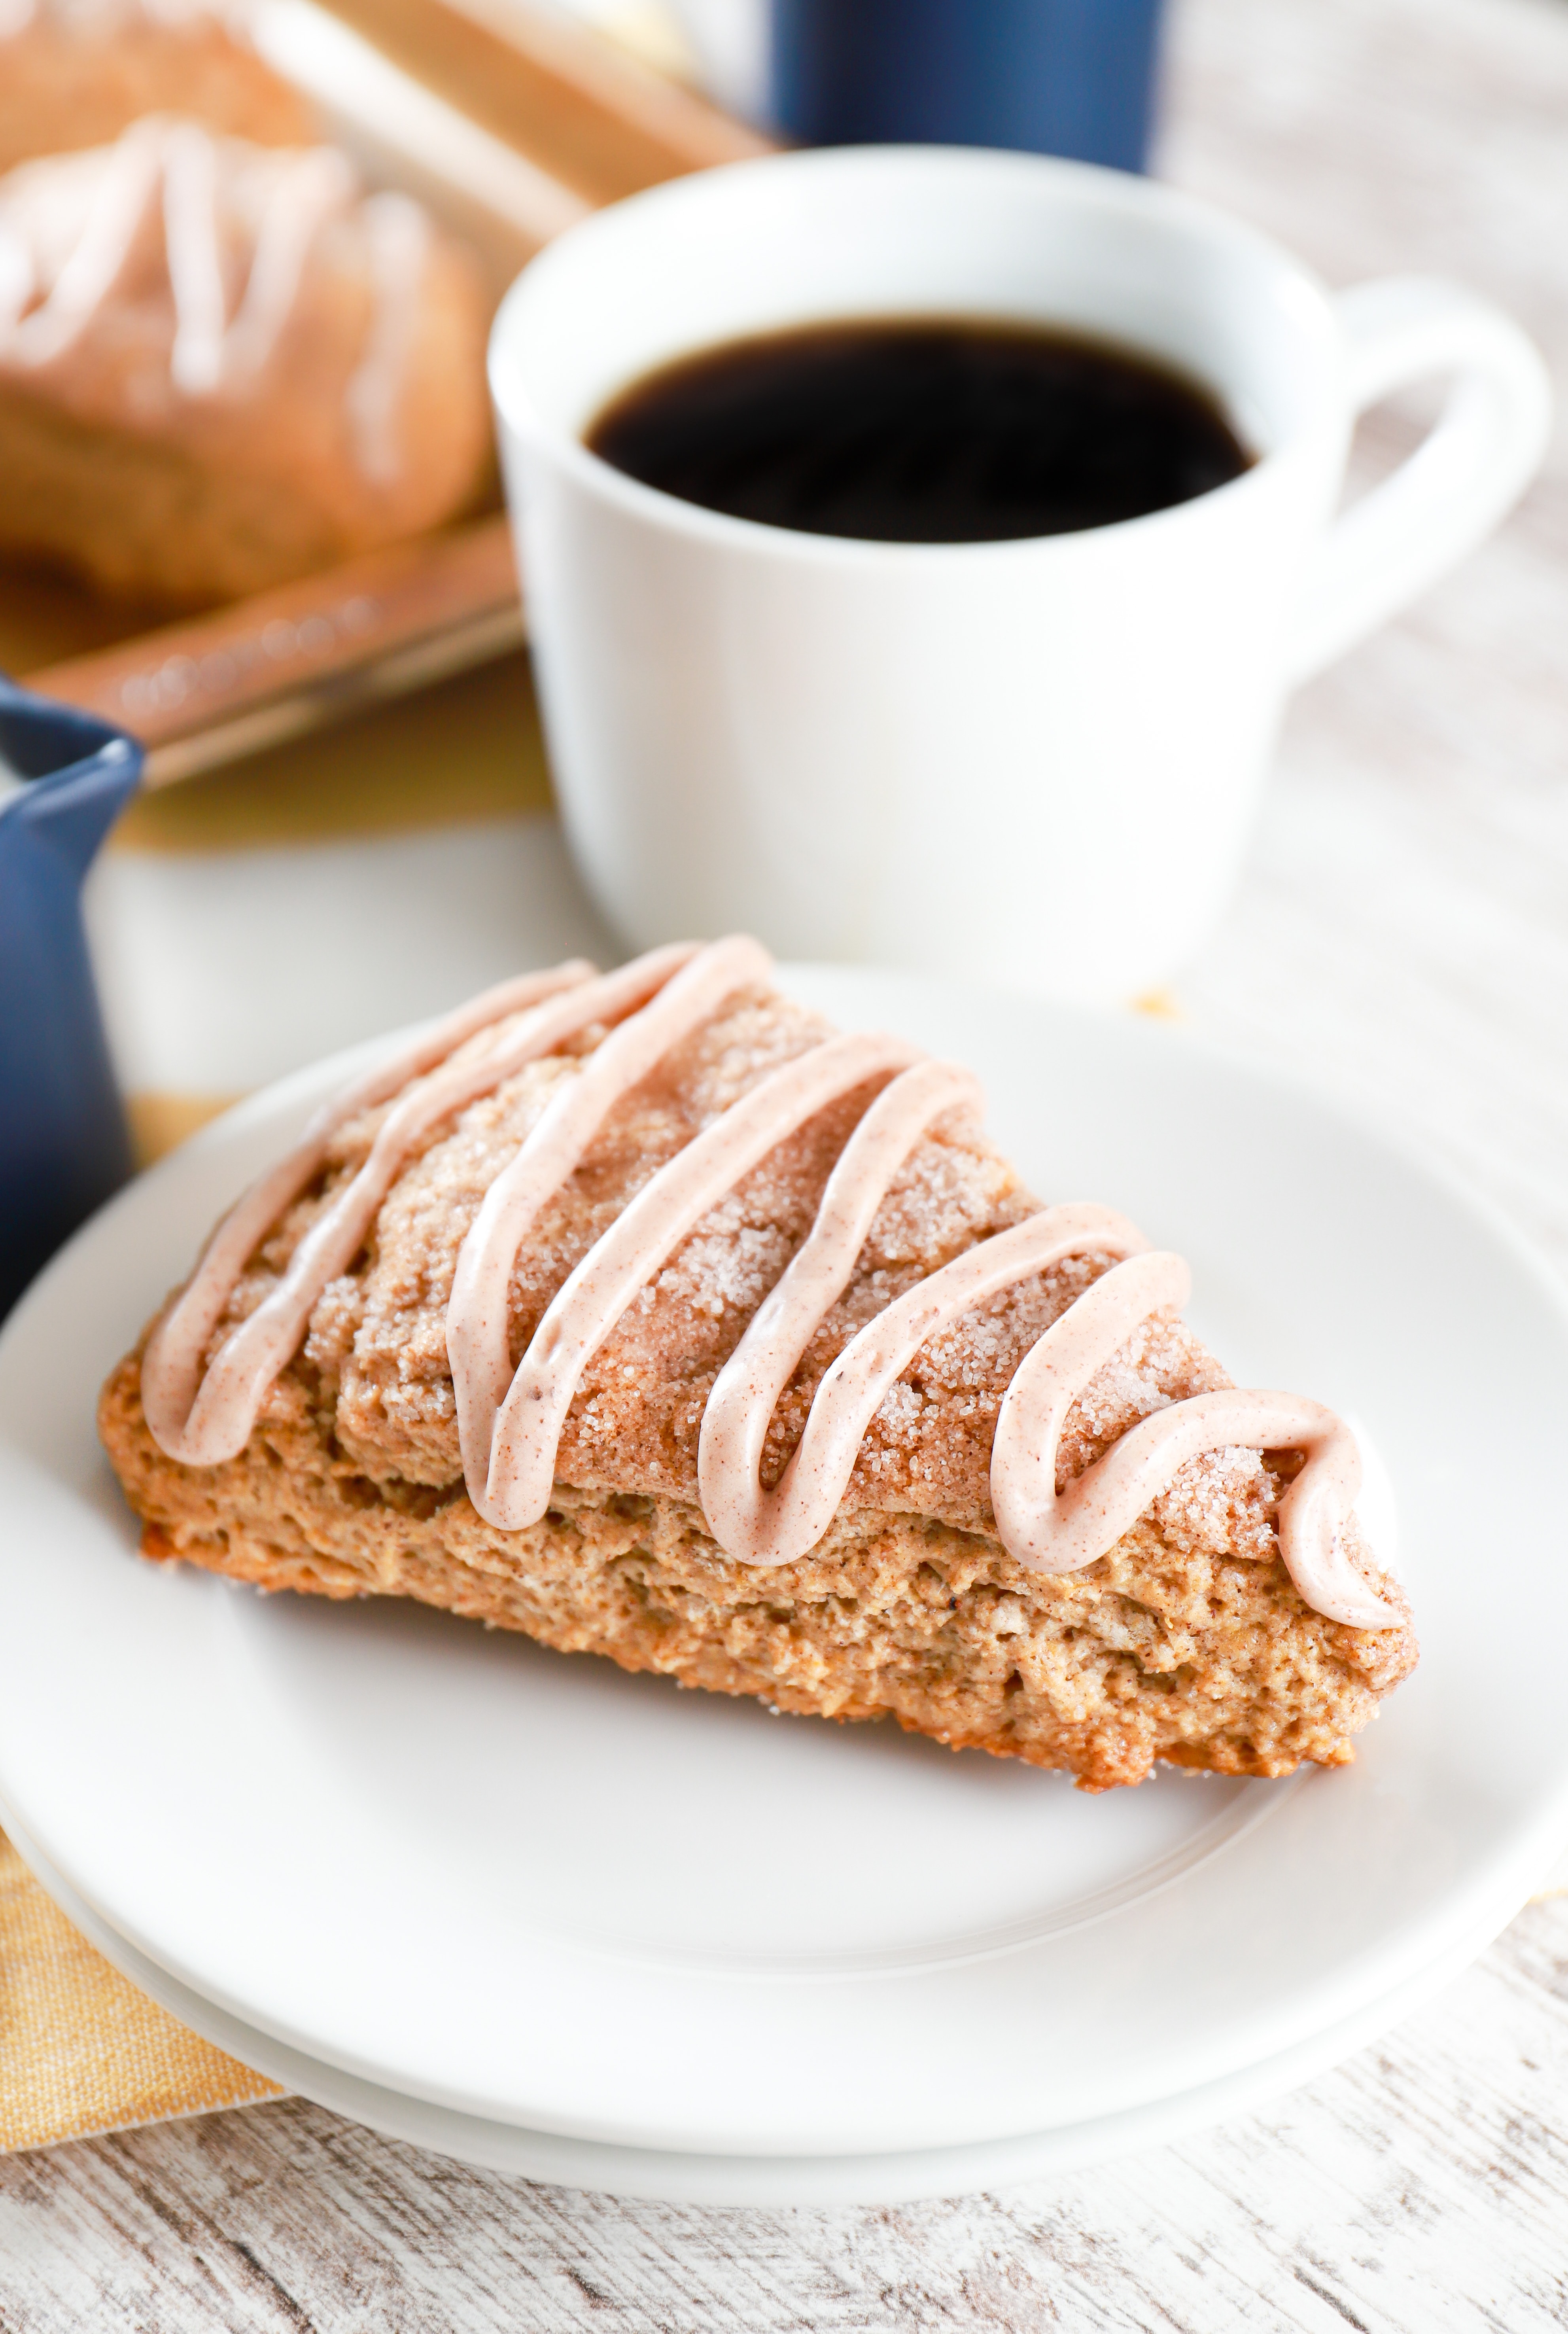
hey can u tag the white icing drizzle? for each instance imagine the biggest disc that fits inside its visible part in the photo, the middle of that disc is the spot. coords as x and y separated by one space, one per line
168 177
307 191
511 1420
399 243
1063 1532
190 241
127 182
525 1427
206 1419
691 988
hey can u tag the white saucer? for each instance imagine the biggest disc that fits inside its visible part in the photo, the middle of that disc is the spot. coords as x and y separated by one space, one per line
534 1892
671 2176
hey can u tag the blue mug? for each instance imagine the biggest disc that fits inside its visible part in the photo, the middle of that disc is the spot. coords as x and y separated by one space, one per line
1073 77
64 1147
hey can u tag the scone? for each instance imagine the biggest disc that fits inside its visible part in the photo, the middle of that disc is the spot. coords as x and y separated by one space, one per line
223 365
78 73
643 1313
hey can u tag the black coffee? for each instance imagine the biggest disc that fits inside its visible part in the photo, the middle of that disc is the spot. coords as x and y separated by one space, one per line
922 431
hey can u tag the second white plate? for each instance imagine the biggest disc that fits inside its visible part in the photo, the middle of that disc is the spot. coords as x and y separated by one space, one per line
673 2176
537 1892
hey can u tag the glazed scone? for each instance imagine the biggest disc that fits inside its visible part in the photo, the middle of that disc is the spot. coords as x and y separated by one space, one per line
79 72
450 1233
223 365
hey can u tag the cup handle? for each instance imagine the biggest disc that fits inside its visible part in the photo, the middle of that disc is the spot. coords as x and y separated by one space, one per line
1440 502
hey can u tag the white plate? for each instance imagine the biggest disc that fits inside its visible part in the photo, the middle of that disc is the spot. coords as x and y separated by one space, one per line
534 1891
675 2177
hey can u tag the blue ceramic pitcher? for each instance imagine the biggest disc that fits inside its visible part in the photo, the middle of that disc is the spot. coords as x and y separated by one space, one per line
63 1145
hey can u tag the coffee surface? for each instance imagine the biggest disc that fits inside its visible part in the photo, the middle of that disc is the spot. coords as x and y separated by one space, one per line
922 431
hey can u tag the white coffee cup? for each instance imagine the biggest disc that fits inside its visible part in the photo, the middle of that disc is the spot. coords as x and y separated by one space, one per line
1031 761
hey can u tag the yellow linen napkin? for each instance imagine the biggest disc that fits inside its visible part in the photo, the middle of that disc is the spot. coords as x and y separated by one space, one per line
82 2050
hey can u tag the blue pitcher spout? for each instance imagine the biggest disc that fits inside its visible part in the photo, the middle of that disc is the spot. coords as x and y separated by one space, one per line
63 1141
69 812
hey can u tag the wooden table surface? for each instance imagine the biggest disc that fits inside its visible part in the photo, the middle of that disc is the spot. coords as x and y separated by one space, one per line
1403 933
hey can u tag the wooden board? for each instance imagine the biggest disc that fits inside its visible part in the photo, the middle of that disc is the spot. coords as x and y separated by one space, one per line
204 691
597 121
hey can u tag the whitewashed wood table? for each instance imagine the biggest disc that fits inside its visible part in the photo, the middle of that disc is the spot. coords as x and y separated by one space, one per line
1403 933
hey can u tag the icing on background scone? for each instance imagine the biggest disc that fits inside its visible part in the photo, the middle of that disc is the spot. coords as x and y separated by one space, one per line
223 365
78 73
645 1315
